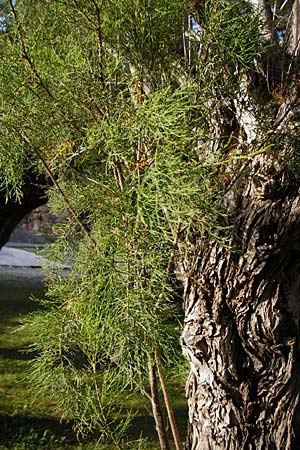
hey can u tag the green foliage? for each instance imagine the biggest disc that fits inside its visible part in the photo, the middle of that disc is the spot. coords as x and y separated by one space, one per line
34 423
144 32
230 45
231 32
90 96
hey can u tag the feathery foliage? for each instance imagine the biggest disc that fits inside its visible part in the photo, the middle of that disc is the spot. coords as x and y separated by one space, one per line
97 96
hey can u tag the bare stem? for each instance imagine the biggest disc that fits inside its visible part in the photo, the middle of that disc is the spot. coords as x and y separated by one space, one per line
99 41
172 420
156 408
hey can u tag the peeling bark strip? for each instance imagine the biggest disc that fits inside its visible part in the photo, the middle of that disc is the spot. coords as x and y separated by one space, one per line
242 321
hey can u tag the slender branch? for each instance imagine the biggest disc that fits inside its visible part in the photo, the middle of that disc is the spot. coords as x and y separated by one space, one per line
172 420
118 175
99 42
101 408
137 384
98 30
296 26
26 56
185 45
87 18
156 408
59 189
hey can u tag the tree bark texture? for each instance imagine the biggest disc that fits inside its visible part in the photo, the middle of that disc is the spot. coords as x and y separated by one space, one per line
294 31
242 313
242 300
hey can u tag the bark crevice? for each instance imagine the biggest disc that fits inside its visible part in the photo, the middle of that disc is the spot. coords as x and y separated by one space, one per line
241 333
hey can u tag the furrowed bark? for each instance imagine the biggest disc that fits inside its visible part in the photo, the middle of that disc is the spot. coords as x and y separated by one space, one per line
242 301
242 315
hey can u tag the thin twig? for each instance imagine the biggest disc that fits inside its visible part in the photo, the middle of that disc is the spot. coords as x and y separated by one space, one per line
101 408
26 55
170 411
59 189
156 407
118 175
99 42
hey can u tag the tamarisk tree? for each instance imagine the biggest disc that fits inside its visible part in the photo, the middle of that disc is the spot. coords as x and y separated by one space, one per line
168 132
241 301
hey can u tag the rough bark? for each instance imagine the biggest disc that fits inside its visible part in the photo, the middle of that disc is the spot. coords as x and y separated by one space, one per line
242 301
12 211
241 335
294 29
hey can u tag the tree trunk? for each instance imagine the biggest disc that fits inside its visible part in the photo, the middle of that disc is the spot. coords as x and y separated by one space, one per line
242 311
294 31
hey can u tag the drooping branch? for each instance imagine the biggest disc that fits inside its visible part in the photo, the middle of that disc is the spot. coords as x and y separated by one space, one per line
59 189
27 57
